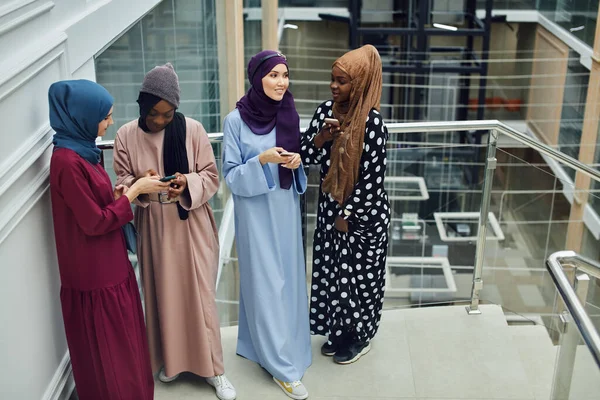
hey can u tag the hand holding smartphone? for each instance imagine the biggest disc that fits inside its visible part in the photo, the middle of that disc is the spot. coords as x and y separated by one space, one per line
168 178
332 121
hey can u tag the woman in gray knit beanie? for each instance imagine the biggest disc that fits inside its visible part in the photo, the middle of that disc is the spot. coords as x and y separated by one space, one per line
178 242
162 81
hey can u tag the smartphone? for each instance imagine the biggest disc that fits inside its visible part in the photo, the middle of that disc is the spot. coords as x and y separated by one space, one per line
168 178
286 154
332 121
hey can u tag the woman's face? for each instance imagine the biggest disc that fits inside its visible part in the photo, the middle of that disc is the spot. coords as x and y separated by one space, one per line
160 116
105 123
340 85
276 82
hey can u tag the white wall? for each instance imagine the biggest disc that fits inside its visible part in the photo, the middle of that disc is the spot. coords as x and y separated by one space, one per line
41 41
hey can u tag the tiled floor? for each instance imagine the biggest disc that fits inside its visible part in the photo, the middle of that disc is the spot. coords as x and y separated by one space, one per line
429 353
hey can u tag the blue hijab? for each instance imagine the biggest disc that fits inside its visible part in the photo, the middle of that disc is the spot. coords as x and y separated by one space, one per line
76 109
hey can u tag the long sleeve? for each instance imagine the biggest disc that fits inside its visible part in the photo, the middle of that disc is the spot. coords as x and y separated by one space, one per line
203 183
75 189
300 180
246 179
123 168
309 152
372 170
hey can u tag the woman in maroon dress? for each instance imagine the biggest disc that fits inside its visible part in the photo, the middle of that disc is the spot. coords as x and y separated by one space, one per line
101 306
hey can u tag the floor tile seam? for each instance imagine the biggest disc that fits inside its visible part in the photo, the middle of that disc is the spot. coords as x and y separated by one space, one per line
410 355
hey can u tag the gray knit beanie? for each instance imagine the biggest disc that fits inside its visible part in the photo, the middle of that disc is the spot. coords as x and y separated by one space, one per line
162 81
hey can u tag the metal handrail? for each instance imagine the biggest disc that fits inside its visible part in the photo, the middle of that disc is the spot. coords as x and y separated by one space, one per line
109 144
554 264
500 127
461 126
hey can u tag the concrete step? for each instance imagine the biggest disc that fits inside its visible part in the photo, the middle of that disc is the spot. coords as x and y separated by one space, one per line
427 353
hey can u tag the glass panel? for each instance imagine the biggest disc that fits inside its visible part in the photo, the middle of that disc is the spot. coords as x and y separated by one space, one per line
574 99
592 304
183 33
576 375
432 249
252 36
594 199
533 215
228 293
577 16
218 201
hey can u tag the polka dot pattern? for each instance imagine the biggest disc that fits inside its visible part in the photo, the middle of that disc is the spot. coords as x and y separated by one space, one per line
348 279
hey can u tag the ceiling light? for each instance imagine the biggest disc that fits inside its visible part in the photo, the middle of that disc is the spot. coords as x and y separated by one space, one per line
447 27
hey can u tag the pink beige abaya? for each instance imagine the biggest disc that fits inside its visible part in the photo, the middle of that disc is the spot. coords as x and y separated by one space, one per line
178 258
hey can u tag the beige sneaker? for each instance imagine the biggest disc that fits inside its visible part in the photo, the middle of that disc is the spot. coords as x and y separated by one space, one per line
295 390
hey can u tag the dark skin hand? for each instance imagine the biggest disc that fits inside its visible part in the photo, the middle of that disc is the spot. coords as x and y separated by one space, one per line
341 224
178 185
327 134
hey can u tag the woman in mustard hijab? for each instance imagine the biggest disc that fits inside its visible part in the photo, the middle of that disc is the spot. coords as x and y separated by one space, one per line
351 237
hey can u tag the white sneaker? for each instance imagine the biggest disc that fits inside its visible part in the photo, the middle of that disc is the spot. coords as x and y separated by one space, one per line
164 378
295 390
224 388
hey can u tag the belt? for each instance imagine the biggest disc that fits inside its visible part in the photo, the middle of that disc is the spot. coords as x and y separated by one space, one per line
162 198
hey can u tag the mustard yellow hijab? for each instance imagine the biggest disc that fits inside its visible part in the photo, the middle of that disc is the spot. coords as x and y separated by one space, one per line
363 66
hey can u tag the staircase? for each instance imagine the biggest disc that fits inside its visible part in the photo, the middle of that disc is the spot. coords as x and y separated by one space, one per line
426 353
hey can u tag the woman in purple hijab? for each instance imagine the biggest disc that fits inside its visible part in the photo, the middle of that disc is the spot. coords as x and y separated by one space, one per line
261 165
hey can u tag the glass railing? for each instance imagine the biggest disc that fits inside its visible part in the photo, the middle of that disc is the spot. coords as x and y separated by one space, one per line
577 368
437 184
473 223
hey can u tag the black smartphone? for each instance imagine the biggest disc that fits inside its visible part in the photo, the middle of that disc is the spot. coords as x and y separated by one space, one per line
168 178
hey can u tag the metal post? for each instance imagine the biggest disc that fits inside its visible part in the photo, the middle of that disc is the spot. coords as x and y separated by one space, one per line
355 7
421 57
485 50
563 373
490 166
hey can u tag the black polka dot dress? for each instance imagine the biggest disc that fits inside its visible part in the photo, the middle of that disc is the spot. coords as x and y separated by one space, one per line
348 280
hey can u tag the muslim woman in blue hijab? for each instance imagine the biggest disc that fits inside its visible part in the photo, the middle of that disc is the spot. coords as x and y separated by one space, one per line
261 165
100 300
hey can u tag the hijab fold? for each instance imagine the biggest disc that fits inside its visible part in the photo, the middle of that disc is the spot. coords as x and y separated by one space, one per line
76 109
363 66
262 114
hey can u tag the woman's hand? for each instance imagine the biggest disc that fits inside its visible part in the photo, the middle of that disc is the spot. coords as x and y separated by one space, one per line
327 134
341 224
148 173
272 156
293 161
178 185
119 191
146 184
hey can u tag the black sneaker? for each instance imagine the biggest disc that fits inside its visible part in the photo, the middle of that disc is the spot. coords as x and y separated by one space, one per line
352 353
328 349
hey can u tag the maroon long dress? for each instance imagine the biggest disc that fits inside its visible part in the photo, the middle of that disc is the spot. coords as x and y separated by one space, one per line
100 300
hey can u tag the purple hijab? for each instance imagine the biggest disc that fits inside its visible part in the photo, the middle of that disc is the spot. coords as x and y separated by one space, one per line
262 114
